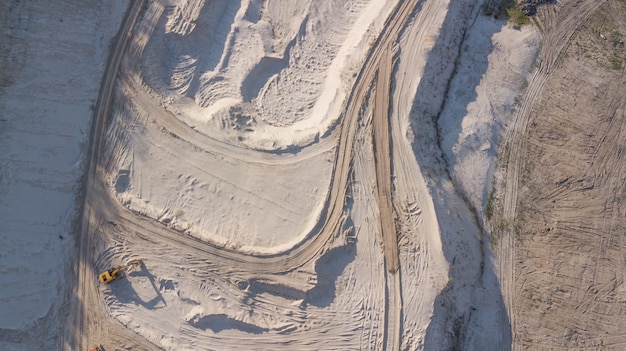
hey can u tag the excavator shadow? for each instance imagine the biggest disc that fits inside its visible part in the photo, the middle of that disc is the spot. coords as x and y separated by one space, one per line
139 287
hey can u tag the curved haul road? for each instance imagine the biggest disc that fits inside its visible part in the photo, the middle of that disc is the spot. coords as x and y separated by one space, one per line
88 316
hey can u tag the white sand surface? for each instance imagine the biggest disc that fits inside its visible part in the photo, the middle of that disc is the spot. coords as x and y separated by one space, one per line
207 197
262 86
51 73
260 201
473 118
269 75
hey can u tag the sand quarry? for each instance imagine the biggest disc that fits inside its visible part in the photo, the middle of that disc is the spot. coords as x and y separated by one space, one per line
295 175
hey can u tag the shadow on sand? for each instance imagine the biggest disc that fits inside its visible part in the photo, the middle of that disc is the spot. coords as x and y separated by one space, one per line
328 268
124 292
469 313
220 322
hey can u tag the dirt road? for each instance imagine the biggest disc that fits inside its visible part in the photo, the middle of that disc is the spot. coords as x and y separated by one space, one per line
562 257
382 152
102 212
382 164
87 319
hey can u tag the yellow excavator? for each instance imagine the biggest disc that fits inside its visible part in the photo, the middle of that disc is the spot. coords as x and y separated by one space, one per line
116 272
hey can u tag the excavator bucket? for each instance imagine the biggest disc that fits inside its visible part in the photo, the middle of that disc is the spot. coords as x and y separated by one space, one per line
135 263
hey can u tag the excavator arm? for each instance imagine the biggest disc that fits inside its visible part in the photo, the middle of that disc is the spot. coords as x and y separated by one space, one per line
114 273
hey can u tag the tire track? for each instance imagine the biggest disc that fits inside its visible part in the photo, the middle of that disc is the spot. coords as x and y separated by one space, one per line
331 219
89 313
382 161
557 30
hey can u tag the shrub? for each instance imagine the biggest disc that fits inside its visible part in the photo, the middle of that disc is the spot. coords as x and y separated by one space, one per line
514 13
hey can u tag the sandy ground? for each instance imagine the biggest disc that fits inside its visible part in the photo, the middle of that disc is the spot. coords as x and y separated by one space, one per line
205 194
228 153
212 191
52 62
565 240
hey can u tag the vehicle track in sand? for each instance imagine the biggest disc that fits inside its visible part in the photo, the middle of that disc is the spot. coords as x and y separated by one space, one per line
382 161
569 283
88 321
387 222
557 26
331 219
89 315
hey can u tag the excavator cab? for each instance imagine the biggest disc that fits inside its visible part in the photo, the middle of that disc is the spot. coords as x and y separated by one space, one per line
116 272
110 275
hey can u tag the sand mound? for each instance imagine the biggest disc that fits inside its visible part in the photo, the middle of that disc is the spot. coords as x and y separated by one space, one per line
266 75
